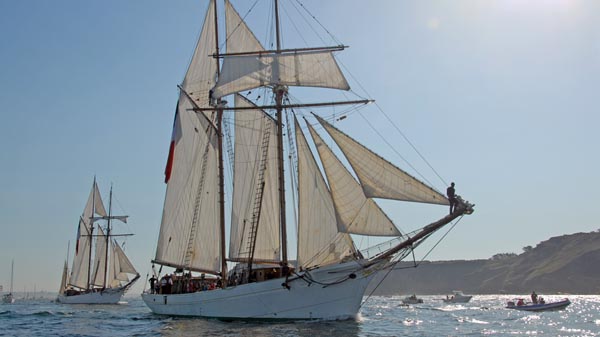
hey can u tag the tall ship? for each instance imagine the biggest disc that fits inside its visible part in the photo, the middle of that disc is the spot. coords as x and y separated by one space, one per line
101 272
243 269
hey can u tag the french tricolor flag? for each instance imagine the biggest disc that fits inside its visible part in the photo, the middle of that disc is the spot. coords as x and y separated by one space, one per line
175 137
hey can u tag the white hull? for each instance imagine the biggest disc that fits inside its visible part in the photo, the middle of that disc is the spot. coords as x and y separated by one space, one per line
108 296
458 298
8 299
270 300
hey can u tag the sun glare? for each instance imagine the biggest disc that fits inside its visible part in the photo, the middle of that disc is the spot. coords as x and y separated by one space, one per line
536 4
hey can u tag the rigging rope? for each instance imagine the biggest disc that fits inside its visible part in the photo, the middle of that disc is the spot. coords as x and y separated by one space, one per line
393 149
224 43
415 265
320 24
395 126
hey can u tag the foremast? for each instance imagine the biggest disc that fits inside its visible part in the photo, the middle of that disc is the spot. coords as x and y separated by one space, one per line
91 232
220 151
279 91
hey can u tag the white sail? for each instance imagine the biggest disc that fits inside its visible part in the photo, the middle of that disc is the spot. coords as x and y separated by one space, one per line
98 272
380 178
80 271
113 269
124 265
244 72
189 233
253 130
319 242
357 214
120 266
94 204
63 280
302 68
239 37
81 260
202 71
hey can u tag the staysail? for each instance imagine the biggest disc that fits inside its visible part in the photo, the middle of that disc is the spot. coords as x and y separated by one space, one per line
189 233
378 177
357 213
121 266
255 176
319 242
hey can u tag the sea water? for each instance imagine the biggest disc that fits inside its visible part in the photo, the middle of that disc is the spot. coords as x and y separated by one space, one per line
379 316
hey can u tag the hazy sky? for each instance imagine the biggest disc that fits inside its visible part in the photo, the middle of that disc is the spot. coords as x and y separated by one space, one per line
499 96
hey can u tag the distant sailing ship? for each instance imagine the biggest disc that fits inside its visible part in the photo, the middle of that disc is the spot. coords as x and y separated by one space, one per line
330 276
104 277
10 298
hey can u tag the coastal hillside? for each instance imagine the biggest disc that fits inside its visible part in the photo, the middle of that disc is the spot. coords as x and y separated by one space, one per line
563 264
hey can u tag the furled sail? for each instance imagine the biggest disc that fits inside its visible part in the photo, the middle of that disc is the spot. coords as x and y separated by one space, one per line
255 165
357 213
122 218
189 233
380 178
244 72
100 259
319 242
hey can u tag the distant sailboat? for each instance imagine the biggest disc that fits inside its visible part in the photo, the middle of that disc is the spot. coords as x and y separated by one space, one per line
10 298
331 275
106 279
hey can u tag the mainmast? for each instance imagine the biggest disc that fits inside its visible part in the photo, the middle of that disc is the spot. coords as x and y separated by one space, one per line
12 275
89 271
279 91
107 237
220 151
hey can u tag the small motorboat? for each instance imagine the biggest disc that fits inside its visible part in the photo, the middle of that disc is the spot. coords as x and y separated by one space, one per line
457 297
413 299
529 306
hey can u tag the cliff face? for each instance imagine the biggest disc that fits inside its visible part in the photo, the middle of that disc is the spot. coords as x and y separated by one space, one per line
565 264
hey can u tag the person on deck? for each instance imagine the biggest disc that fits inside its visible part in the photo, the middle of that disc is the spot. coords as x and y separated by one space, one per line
163 284
152 281
170 283
451 197
534 297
